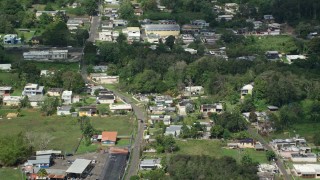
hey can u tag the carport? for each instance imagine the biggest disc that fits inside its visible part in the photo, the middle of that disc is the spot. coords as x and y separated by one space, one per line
78 168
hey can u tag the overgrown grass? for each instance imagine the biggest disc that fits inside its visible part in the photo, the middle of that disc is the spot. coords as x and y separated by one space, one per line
123 142
8 78
11 174
122 124
83 148
56 66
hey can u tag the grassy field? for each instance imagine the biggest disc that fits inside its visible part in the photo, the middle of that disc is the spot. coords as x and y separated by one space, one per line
8 78
57 66
64 130
10 174
215 148
86 149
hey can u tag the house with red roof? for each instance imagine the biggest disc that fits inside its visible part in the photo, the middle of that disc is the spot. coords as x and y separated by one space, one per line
109 138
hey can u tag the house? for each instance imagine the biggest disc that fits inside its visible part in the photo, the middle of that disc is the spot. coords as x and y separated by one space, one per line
105 92
150 164
224 17
11 100
190 50
36 100
231 8
10 39
272 55
157 110
40 161
246 143
78 168
257 24
103 78
106 99
54 92
268 18
165 118
133 33
185 107
32 89
100 69
88 111
63 110
66 97
106 26
74 24
51 13
109 138
306 170
112 1
163 100
245 90
304 157
5 90
292 58
46 73
5 67
278 144
120 107
46 55
287 151
193 90
173 130
190 29
187 38
200 22
273 108
153 38
267 171
138 12
207 109
106 36
164 30
167 21
119 22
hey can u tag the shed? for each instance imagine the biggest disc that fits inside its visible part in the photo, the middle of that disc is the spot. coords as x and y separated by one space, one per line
78 167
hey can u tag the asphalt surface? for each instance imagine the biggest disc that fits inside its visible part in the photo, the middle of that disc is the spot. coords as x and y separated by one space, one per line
114 167
95 23
279 163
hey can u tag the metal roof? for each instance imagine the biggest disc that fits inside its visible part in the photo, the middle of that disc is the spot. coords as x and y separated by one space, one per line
78 166
162 27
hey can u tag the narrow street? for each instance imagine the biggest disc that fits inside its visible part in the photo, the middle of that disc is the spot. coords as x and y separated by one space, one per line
95 23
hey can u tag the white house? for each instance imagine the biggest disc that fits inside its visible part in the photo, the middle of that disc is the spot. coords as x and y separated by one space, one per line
46 55
304 157
32 89
11 100
36 100
292 58
133 33
225 17
74 24
173 130
193 90
149 164
11 39
307 170
120 107
51 13
67 97
106 36
63 110
106 99
5 67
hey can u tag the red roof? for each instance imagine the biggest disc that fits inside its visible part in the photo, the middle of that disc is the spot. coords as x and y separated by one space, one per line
109 136
114 150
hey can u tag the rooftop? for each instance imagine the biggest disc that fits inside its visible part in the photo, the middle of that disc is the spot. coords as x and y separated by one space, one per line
109 136
66 93
78 166
162 27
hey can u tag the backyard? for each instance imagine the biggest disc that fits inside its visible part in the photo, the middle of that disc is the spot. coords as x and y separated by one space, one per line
11 174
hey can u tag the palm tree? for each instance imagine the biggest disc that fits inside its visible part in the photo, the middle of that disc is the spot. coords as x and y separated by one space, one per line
42 173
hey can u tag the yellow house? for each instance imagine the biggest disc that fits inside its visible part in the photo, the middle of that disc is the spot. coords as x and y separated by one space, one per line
246 143
88 111
163 30
245 90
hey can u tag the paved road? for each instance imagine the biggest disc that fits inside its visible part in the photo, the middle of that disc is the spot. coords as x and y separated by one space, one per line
279 163
95 23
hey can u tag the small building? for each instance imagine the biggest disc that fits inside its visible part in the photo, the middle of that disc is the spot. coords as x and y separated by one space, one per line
78 168
32 89
193 90
11 100
119 22
190 50
44 161
63 110
307 170
164 30
187 38
5 90
292 58
106 36
50 13
120 107
273 108
67 97
46 73
272 55
245 90
133 33
278 144
106 99
173 130
11 39
206 109
153 38
109 138
51 55
246 143
304 157
74 24
224 17
150 164
185 107
200 22
268 17
5 67
100 69
55 92
36 100
88 111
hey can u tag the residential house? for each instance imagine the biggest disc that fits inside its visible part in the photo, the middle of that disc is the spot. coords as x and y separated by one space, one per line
66 97
273 108
100 69
119 22
277 144
231 8
32 89
106 36
150 164
164 100
200 22
109 138
10 39
63 110
166 119
164 30
167 21
245 90
36 100
153 38
105 92
120 107
246 143
287 151
51 13
273 55
190 50
106 99
268 18
138 12
46 73
112 1
157 110
187 38
133 33
257 24
207 109
46 55
224 17
55 92
74 24
173 130
185 107
11 100
267 171
88 111
5 90
292 58
5 67
193 90
190 29
304 157
106 26
40 161
306 170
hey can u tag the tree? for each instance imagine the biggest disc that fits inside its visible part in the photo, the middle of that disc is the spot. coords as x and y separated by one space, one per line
253 117
56 34
24 102
91 7
82 35
45 19
314 45
270 155
165 144
121 38
316 139
246 160
217 131
170 41
72 81
126 10
48 7
49 106
42 173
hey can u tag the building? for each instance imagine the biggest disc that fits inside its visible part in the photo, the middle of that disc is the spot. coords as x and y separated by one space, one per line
88 111
224 17
304 157
273 55
51 13
173 130
100 69
153 38
167 21
74 24
245 90
120 107
32 89
119 22
11 100
78 167
278 144
106 99
164 30
200 22
67 97
55 92
150 164
165 118
207 109
292 58
5 90
231 8
11 39
46 73
306 170
246 143
46 55
187 38
63 110
193 90
43 161
185 107
106 36
5 67
133 33
109 138
36 100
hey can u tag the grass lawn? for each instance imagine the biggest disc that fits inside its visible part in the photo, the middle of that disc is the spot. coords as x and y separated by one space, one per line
8 78
214 148
11 174
123 142
122 124
86 149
